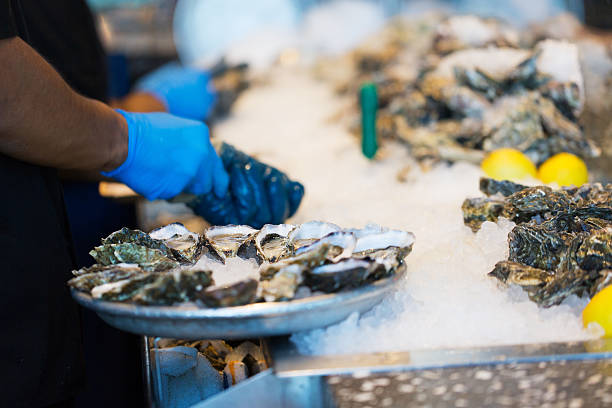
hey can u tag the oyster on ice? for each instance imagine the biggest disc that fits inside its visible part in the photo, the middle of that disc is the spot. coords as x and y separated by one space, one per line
562 243
309 232
336 276
86 281
232 240
179 285
149 259
236 294
272 241
169 266
283 284
180 240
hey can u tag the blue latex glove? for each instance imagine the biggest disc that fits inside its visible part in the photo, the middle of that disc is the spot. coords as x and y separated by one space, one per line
258 194
185 92
168 155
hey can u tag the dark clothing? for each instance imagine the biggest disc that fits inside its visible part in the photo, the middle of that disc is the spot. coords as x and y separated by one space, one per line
40 343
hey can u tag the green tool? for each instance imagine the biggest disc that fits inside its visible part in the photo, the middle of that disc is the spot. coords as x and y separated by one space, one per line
368 99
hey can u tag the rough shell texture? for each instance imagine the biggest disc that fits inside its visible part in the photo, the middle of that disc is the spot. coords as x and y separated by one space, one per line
237 294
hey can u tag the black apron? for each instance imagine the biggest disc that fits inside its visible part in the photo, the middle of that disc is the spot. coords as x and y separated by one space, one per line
40 344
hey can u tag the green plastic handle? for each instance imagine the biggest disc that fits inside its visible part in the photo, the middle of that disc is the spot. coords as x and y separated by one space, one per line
368 100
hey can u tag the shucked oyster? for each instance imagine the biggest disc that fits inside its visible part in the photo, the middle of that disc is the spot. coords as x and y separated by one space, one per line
389 246
309 232
229 240
180 285
341 245
129 236
236 294
283 285
85 282
333 277
148 259
149 269
179 239
272 241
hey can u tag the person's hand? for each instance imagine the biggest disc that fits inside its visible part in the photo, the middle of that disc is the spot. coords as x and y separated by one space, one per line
258 194
185 92
168 155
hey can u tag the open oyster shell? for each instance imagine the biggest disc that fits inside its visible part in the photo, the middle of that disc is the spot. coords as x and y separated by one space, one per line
149 259
85 282
236 294
294 262
309 232
180 240
230 239
272 241
283 285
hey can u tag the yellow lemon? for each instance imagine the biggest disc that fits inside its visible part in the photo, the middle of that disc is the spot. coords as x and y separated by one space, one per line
599 310
508 164
565 169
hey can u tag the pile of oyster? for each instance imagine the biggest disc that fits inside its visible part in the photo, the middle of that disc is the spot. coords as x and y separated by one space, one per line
164 267
562 243
235 361
457 88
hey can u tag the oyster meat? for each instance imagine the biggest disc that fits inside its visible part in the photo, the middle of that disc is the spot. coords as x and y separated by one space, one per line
292 262
86 281
337 276
180 285
149 259
283 284
272 241
232 240
236 294
309 232
180 240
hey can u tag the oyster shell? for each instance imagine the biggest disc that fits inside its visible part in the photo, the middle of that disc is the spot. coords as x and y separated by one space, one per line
341 245
309 232
230 239
283 284
310 256
519 274
179 239
147 258
535 246
236 294
336 276
86 281
181 285
101 268
130 236
369 244
563 240
272 241
506 188
480 209
123 290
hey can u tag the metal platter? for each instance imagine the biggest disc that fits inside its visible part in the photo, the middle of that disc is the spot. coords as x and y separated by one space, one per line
254 320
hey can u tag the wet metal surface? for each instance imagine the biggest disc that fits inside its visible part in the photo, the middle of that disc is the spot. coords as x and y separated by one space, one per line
571 384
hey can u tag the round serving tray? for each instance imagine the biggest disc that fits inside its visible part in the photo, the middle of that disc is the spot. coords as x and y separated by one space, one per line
254 320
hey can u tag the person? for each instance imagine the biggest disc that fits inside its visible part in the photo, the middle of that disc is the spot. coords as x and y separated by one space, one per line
53 116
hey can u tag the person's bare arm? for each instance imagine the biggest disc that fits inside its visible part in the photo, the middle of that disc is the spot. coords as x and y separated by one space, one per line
43 121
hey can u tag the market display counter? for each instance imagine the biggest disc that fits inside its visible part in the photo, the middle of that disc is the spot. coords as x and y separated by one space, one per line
555 374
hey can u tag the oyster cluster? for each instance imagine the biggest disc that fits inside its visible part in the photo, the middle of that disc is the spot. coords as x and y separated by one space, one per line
162 268
473 87
562 243
235 361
